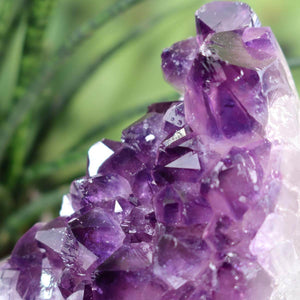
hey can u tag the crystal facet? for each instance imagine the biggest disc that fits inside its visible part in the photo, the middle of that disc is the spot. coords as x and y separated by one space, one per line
199 200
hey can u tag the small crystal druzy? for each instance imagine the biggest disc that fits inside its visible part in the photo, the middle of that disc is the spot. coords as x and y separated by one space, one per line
199 201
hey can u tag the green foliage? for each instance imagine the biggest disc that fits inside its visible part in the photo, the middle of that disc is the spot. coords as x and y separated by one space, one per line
73 72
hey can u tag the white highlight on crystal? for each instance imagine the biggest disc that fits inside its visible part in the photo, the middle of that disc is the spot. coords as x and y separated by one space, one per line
219 167
97 155
45 279
242 199
187 161
253 176
118 207
46 290
150 137
175 137
212 266
66 207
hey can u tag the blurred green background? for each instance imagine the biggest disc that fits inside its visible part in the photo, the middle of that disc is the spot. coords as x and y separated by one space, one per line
75 71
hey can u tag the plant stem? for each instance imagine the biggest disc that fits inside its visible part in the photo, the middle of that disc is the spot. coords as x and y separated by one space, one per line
9 16
38 16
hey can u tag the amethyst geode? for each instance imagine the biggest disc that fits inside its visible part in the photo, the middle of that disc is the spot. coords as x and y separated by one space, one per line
199 200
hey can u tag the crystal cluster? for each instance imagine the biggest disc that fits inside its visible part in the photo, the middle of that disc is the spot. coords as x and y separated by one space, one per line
199 201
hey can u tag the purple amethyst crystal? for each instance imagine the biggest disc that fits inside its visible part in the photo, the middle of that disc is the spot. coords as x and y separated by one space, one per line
199 200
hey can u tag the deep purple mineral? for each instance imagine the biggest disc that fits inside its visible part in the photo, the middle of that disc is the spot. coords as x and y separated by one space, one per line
199 201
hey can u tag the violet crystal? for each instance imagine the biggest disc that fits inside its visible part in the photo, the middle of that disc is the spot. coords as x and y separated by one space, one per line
200 199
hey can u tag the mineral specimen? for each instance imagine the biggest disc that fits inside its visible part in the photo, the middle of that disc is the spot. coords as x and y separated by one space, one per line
199 200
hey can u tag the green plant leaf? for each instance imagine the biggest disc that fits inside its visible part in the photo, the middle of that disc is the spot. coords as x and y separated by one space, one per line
38 12
10 65
62 100
41 170
9 18
24 106
87 30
